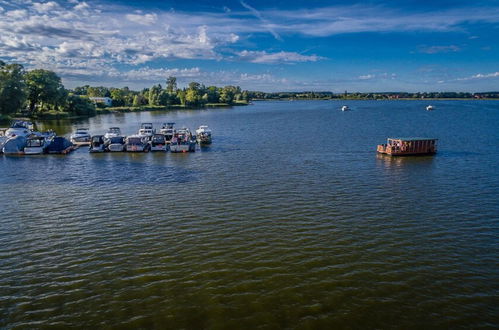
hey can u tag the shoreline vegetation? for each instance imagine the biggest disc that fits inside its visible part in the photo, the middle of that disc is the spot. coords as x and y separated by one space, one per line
39 94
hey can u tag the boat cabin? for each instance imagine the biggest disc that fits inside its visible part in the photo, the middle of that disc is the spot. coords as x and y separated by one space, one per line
408 146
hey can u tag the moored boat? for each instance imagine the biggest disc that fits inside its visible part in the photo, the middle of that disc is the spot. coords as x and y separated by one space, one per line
20 128
408 146
168 130
146 130
430 108
116 144
60 145
345 108
203 134
14 145
112 132
36 145
97 144
81 137
158 143
136 143
183 141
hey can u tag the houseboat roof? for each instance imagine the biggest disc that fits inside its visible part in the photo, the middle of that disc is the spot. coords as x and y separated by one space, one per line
412 139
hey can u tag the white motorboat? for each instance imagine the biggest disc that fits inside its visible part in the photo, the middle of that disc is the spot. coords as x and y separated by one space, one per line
146 130
158 143
112 132
430 107
183 141
81 137
14 145
203 134
116 144
20 128
137 143
345 108
97 144
168 130
36 145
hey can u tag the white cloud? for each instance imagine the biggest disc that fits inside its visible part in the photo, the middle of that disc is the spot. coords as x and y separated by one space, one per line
274 58
147 19
45 7
367 77
480 76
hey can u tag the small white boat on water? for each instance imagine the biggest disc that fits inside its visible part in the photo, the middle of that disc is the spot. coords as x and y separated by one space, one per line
430 108
203 134
20 128
137 143
158 143
345 108
183 141
81 137
116 144
97 144
146 130
168 130
37 145
112 132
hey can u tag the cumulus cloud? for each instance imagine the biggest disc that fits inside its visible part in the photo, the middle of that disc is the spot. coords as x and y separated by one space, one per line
275 58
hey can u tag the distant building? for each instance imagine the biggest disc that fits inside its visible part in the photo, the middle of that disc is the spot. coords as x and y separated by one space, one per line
107 101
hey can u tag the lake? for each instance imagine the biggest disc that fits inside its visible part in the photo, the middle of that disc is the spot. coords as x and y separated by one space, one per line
288 220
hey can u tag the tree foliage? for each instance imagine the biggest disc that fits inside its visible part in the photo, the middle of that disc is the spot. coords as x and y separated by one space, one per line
45 90
12 88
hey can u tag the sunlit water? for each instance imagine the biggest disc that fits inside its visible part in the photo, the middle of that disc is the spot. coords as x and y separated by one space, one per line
289 220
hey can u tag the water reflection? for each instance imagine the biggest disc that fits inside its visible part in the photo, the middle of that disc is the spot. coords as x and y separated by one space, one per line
391 162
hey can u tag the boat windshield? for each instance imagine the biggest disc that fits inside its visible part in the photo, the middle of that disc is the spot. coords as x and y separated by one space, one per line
35 143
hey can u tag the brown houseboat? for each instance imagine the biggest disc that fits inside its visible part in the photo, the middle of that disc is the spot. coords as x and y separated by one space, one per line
408 146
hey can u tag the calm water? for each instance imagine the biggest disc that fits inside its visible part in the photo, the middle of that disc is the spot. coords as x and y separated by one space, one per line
289 220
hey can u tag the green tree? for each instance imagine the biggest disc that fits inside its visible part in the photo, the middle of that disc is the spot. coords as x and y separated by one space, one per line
139 100
99 91
45 90
154 95
12 88
118 95
171 85
181 96
80 106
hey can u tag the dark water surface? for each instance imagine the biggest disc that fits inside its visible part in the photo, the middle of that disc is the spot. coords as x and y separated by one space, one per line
289 220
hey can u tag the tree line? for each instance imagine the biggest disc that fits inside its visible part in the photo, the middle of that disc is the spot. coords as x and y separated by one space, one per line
38 92
194 95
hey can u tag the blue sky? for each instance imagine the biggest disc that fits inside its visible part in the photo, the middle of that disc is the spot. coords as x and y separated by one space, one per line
259 45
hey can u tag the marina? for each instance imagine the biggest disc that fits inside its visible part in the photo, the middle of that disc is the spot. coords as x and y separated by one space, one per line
22 139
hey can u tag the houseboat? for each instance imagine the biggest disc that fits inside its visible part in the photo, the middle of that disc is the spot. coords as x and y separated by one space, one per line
408 146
